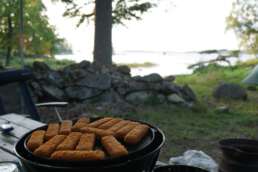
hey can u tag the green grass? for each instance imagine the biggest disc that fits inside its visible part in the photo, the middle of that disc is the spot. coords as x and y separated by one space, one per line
185 129
137 65
204 81
202 128
53 63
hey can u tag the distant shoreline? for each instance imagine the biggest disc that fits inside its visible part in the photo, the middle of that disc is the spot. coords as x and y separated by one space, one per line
210 51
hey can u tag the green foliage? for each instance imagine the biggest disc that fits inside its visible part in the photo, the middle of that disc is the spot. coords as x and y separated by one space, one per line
51 62
39 36
138 65
122 9
129 9
249 63
244 21
204 80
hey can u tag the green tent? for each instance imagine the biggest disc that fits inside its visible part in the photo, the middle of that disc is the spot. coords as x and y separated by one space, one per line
252 78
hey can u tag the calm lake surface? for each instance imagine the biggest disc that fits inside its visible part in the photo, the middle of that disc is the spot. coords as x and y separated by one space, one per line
169 63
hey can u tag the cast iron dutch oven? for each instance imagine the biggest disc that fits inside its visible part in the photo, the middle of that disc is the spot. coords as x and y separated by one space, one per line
178 168
141 157
239 155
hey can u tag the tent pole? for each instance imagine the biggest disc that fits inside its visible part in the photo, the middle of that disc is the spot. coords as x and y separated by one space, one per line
21 31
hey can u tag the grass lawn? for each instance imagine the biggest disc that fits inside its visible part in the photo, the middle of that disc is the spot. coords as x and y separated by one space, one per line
138 65
203 128
53 63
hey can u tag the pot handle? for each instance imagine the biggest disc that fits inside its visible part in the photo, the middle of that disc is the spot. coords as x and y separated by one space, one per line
230 148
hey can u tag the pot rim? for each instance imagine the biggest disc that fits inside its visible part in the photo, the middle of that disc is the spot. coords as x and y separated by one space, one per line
156 147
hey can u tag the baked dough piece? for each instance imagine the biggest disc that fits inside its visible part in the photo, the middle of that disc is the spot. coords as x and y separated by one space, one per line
98 132
78 155
82 122
113 147
49 147
136 134
97 123
118 125
52 130
66 127
110 123
122 132
70 141
87 142
36 139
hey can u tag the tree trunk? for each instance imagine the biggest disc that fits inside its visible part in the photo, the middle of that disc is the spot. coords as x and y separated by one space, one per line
103 33
9 40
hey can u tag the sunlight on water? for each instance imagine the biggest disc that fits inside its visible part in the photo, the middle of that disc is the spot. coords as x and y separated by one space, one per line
166 63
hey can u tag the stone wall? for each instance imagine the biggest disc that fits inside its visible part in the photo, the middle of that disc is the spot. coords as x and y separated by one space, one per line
88 84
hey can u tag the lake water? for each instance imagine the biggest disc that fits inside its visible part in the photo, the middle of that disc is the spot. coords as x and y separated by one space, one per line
171 63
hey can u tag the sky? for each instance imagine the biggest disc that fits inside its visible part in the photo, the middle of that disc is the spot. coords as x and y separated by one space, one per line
183 25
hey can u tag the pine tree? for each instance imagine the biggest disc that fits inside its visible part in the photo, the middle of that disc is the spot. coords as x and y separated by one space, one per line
105 13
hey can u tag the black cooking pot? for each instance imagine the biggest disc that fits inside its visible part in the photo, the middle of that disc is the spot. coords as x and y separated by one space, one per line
133 151
178 168
239 155
140 160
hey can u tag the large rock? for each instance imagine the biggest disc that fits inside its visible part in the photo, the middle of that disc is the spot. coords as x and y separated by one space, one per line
129 85
175 99
40 66
98 81
40 70
54 78
188 94
124 87
154 77
72 73
81 93
36 88
124 70
109 96
230 91
53 93
169 88
170 78
47 76
142 97
84 64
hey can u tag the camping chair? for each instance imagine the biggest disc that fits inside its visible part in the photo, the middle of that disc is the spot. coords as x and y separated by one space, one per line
15 96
